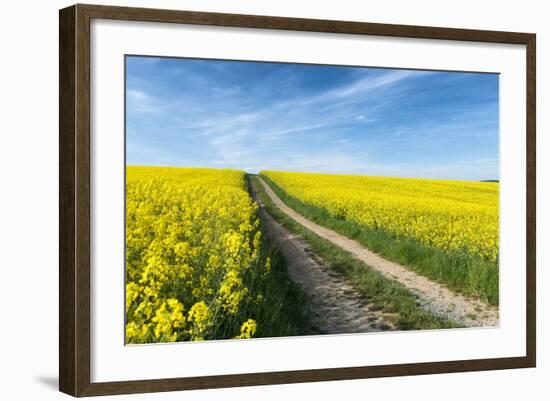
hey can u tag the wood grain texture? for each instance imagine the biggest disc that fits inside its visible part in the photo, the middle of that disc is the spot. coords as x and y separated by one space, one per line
301 376
74 198
531 228
82 192
67 131
301 24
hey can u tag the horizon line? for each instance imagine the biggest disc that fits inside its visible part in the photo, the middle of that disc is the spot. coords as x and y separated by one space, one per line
489 180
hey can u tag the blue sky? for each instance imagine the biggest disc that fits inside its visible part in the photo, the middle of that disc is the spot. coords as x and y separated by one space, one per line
354 120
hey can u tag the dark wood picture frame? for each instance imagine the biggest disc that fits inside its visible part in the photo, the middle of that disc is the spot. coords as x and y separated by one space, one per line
74 199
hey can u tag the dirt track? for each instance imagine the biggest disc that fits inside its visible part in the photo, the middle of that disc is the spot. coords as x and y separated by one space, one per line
335 307
435 297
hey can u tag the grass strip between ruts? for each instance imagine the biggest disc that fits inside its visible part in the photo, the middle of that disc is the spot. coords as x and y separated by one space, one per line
380 292
459 271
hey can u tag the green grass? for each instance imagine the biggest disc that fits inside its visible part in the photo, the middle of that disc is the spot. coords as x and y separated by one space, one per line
461 272
282 310
381 292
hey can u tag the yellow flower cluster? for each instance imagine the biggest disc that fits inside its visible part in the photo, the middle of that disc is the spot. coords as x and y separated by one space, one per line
248 329
191 237
450 215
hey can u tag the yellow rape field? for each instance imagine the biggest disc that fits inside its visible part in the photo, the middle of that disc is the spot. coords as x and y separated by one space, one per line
192 236
445 214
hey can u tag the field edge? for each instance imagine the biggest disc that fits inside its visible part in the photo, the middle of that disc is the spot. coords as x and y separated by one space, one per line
466 274
382 292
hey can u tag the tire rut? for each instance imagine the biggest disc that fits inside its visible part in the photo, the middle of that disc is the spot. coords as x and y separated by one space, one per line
335 307
434 297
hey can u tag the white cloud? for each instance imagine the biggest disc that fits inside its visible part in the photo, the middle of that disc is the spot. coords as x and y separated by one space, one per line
141 102
370 83
137 94
341 141
259 127
363 119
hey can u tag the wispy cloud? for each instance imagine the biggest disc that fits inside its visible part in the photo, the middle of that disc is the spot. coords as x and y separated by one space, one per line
294 117
140 102
369 83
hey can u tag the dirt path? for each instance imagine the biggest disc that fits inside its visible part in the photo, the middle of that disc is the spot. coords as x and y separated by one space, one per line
335 307
435 297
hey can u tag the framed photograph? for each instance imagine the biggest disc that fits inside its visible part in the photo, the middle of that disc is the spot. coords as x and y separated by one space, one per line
250 200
